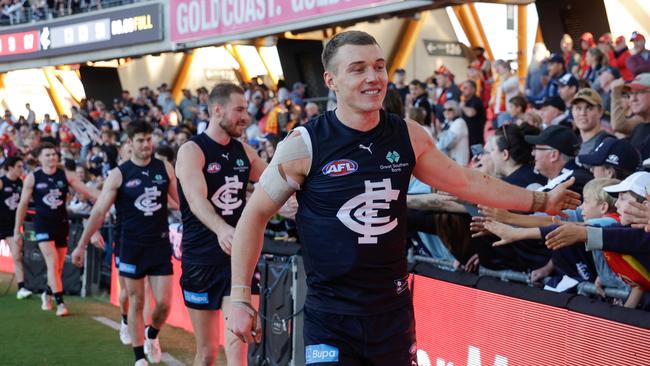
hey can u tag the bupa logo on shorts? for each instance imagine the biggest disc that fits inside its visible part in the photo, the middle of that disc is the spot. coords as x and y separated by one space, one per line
133 183
338 168
200 298
214 168
321 353
42 236
127 268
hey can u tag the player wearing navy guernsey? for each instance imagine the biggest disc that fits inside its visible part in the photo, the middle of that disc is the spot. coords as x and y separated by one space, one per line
139 188
350 168
48 186
10 187
213 171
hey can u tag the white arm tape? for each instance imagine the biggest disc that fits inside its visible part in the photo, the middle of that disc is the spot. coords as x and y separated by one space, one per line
291 148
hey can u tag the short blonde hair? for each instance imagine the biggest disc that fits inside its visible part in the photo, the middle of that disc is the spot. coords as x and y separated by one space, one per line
594 189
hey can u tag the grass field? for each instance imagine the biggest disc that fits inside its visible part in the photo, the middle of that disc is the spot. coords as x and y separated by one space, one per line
30 336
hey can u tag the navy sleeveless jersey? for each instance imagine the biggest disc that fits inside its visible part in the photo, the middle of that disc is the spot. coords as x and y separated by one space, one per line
50 196
351 216
141 204
9 198
226 171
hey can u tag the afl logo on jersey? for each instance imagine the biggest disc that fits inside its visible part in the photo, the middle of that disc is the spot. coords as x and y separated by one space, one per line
338 168
213 168
133 183
41 185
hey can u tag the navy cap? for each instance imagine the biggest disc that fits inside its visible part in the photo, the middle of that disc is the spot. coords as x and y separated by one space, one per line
613 152
569 80
554 101
554 57
558 137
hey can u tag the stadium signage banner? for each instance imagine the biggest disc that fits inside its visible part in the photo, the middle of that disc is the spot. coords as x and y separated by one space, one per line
102 30
197 19
467 326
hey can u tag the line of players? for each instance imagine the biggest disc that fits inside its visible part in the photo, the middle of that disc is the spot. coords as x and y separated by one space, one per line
213 170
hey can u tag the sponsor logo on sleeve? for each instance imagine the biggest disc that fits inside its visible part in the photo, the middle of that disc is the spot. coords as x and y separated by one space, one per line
213 168
133 183
341 167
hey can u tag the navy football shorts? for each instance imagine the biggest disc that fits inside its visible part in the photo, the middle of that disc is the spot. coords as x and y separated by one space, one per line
348 340
204 286
138 261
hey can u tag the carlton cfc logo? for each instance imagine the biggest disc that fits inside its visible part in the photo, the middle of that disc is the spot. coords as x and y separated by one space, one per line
338 168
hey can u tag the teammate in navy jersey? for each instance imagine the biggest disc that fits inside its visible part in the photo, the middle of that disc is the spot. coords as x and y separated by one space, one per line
213 171
10 187
48 186
139 188
350 169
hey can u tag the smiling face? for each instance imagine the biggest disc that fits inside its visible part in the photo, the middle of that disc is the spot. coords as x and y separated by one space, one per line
357 73
234 115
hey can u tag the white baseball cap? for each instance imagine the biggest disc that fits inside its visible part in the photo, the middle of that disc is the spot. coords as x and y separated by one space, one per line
638 183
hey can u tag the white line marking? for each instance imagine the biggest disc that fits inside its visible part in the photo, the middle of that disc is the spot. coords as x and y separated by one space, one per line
166 357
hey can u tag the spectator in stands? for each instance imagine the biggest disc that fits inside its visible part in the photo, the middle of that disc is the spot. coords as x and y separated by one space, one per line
507 88
596 61
418 97
110 150
586 43
516 107
120 110
448 90
54 127
393 103
452 137
187 104
31 116
530 118
603 86
111 122
622 53
556 68
473 112
297 94
537 76
587 110
639 92
512 157
612 158
639 62
571 58
555 151
399 84
567 88
552 112
311 111
606 46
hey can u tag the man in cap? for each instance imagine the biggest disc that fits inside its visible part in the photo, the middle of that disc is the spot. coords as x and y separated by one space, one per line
552 111
587 110
449 90
568 87
639 101
554 151
612 158
399 83
556 68
298 94
622 53
639 62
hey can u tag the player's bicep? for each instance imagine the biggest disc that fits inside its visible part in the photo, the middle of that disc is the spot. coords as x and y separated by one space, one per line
189 170
171 189
28 189
288 168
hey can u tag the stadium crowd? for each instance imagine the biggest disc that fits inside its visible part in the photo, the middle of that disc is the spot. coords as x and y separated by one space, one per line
26 11
581 116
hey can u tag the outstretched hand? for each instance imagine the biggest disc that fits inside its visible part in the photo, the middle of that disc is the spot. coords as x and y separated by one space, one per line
566 234
561 198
